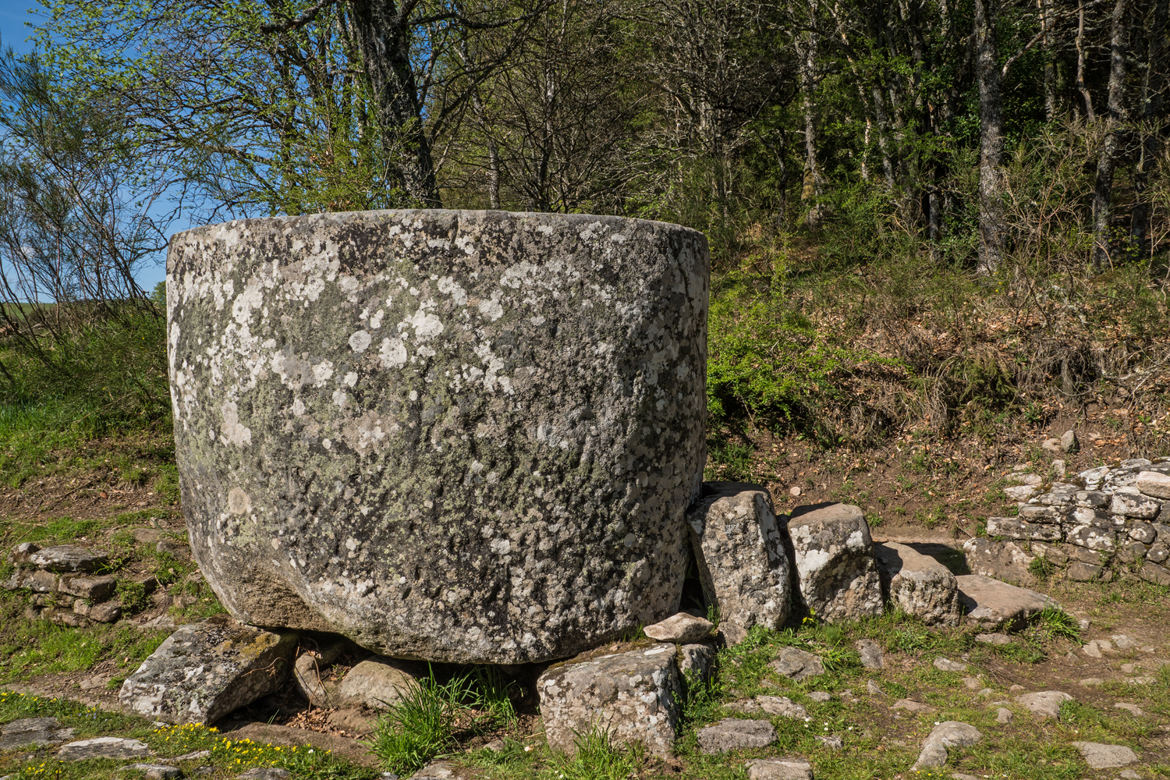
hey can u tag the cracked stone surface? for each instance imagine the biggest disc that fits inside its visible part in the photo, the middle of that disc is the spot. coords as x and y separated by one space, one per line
464 436
943 737
835 564
633 695
735 734
205 670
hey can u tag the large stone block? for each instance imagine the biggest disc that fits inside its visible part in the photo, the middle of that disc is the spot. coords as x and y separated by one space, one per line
834 562
918 584
743 566
453 436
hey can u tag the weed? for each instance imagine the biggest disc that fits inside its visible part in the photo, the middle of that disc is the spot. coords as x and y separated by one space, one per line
1054 622
132 596
597 758
1041 568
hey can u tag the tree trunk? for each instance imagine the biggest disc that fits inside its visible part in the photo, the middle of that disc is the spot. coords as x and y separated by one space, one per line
381 34
1154 85
1046 30
1090 115
1107 159
813 183
991 229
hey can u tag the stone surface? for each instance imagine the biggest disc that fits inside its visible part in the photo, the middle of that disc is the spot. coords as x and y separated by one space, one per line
947 665
1003 560
92 588
204 671
918 584
943 737
834 562
445 770
735 734
912 706
797 664
743 565
779 769
67 558
779 706
681 628
265 773
634 696
156 771
870 653
32 732
449 435
1079 571
1154 483
377 683
696 661
102 747
1044 703
1100 756
994 605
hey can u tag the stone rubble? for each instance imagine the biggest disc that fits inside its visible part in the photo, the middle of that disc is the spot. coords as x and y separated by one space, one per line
735 734
946 735
835 562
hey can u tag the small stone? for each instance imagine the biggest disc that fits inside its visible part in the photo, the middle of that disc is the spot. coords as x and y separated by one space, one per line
949 734
1143 532
1123 642
1044 703
779 706
870 652
1059 468
973 683
947 665
1129 668
92 588
155 771
918 584
1092 682
996 638
1003 715
377 683
1051 445
1100 756
1084 572
198 755
1069 442
265 773
1152 572
444 770
735 734
832 742
873 689
820 696
795 491
1020 493
912 706
102 747
681 628
1129 774
796 664
1131 708
779 769
1135 505
1097 648
105 613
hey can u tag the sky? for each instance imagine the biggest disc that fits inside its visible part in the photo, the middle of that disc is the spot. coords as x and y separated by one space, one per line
15 18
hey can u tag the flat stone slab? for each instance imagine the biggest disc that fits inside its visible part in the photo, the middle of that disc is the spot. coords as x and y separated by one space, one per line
1101 756
31 732
681 628
206 670
743 566
797 664
779 769
460 436
66 558
102 747
634 696
943 737
834 562
155 771
996 605
779 706
1046 704
735 734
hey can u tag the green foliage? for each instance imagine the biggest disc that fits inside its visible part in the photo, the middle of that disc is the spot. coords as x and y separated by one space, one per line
1054 622
597 758
1041 568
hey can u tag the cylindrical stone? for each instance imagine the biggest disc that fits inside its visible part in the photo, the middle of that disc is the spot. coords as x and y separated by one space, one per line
458 436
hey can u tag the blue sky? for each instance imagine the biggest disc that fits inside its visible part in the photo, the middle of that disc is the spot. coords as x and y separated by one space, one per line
15 17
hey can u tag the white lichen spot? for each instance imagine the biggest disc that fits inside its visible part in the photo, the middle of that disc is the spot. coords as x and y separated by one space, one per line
466 244
322 372
340 398
327 444
239 503
501 546
393 353
231 428
347 283
449 286
350 379
376 320
298 407
537 321
251 298
491 309
425 324
359 341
